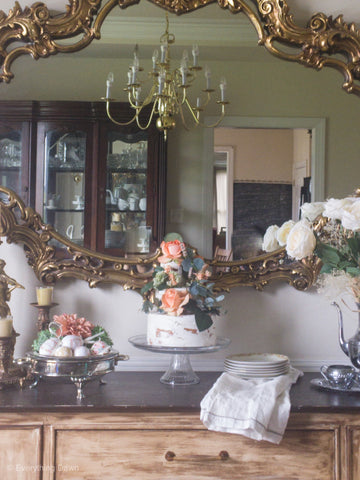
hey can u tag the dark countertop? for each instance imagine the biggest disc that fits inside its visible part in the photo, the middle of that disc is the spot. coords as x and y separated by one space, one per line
141 391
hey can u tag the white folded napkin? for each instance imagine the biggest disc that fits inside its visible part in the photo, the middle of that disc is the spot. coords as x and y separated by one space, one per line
257 408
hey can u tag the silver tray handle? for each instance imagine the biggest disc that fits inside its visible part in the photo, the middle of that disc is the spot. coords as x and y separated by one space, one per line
121 358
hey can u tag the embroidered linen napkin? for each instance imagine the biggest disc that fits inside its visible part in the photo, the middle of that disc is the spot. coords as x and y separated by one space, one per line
257 408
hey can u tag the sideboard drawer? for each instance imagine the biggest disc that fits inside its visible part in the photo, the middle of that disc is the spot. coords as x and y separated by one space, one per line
192 453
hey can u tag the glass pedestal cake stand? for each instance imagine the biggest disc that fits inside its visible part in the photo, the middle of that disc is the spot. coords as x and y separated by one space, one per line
180 371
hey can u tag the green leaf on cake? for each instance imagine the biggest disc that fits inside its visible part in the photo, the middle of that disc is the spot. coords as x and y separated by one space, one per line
170 237
203 320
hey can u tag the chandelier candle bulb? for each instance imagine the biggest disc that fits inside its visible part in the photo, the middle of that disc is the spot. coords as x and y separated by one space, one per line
6 325
207 74
198 102
223 89
109 82
183 75
44 295
129 74
195 52
155 59
163 49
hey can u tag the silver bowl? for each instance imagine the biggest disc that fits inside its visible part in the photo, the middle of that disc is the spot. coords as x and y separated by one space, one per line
77 370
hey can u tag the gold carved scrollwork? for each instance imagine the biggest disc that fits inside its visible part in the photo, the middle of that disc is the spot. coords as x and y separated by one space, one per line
325 42
22 225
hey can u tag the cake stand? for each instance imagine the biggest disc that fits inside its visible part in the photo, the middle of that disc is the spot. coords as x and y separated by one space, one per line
180 371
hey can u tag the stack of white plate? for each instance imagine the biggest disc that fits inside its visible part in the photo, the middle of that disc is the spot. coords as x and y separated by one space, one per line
257 365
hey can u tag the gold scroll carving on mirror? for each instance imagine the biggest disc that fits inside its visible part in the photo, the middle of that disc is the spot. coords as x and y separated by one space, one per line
325 42
22 225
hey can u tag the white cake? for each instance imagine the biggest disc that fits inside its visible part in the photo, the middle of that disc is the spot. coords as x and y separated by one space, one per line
181 331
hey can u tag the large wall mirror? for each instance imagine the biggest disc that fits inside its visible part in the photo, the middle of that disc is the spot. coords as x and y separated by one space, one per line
265 93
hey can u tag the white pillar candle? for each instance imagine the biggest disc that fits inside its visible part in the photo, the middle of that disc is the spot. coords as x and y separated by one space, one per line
44 295
6 325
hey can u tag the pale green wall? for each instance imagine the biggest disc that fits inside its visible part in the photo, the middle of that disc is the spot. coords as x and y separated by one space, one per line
276 89
269 89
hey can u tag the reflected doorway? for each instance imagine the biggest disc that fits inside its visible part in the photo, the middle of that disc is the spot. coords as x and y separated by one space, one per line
269 179
223 181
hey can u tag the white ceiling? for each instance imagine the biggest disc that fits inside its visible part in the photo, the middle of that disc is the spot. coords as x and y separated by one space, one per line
302 9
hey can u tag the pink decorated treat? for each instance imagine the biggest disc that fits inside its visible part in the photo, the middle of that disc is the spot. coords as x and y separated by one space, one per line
81 351
63 352
100 348
48 347
72 341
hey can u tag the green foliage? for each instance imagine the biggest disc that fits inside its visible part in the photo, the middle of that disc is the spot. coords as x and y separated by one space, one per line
42 336
104 335
344 258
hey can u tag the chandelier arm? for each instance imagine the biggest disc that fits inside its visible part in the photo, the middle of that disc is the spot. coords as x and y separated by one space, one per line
183 119
115 121
197 121
145 127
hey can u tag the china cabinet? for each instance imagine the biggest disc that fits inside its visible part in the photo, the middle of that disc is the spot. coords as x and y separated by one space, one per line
100 185
16 153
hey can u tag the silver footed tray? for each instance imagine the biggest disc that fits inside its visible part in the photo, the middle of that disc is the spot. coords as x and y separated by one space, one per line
322 383
77 370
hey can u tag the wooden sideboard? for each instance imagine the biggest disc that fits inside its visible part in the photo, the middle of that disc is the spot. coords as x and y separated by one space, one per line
136 428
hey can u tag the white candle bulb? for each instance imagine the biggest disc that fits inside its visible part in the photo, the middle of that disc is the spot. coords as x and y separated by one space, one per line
155 58
109 82
163 48
185 59
161 81
198 102
183 75
222 89
195 53
134 72
207 74
137 95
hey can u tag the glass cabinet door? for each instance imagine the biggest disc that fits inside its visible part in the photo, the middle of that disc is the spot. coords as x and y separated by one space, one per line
126 194
63 192
13 165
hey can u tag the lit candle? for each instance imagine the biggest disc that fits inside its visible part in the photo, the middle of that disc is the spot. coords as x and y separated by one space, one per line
109 82
195 52
222 89
44 295
6 325
208 77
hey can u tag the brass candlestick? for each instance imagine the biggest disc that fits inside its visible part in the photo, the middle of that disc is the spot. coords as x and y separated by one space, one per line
43 315
10 373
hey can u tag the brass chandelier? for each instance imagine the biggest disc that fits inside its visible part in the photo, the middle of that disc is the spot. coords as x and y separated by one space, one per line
168 93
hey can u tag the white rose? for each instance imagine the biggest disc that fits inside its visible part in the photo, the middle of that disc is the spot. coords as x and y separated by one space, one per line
283 232
301 241
270 242
334 208
310 211
351 216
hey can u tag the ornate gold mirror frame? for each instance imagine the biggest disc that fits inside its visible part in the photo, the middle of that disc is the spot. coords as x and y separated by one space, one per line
325 42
